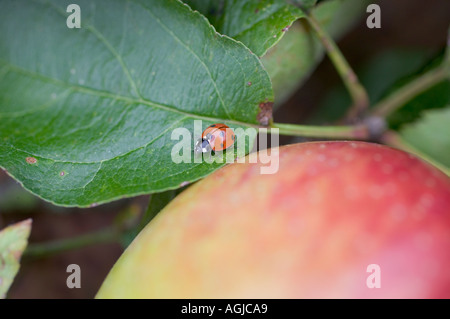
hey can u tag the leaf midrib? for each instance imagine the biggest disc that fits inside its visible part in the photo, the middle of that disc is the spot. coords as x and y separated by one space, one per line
107 94
105 159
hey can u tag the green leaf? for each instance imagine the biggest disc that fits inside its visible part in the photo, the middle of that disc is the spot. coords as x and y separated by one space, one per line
259 24
13 240
304 4
431 135
435 97
14 198
381 74
87 114
447 55
293 59
156 203
298 51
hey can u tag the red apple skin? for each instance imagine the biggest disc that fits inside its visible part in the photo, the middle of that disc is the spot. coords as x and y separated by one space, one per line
308 231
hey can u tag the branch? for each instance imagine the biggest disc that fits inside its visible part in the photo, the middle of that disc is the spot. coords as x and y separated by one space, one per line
359 132
107 235
356 90
400 97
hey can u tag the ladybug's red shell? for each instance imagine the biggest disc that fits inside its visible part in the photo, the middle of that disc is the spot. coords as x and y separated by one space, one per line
220 136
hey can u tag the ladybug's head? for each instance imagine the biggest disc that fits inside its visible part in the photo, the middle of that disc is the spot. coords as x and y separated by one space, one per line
202 146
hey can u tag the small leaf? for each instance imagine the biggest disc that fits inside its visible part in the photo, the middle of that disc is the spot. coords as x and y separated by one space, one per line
293 59
383 73
156 203
259 24
431 135
87 114
298 51
15 198
447 54
13 240
436 97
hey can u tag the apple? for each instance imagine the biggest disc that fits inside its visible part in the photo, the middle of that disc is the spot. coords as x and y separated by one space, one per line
338 220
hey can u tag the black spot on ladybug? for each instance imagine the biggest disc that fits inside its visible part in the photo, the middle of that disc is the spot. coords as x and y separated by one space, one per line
214 125
221 145
222 134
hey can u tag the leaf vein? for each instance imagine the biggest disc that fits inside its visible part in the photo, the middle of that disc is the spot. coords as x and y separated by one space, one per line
116 55
103 160
219 95
107 94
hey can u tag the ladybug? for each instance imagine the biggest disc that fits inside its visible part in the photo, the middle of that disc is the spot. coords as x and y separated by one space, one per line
216 137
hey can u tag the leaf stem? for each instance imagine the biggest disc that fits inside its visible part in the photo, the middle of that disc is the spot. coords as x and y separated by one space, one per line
156 203
332 132
107 235
401 96
357 92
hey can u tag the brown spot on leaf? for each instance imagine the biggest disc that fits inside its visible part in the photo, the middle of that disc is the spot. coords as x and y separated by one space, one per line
16 254
62 173
184 184
286 28
265 113
31 160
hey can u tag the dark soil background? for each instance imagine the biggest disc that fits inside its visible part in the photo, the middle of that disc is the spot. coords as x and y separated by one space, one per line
407 24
